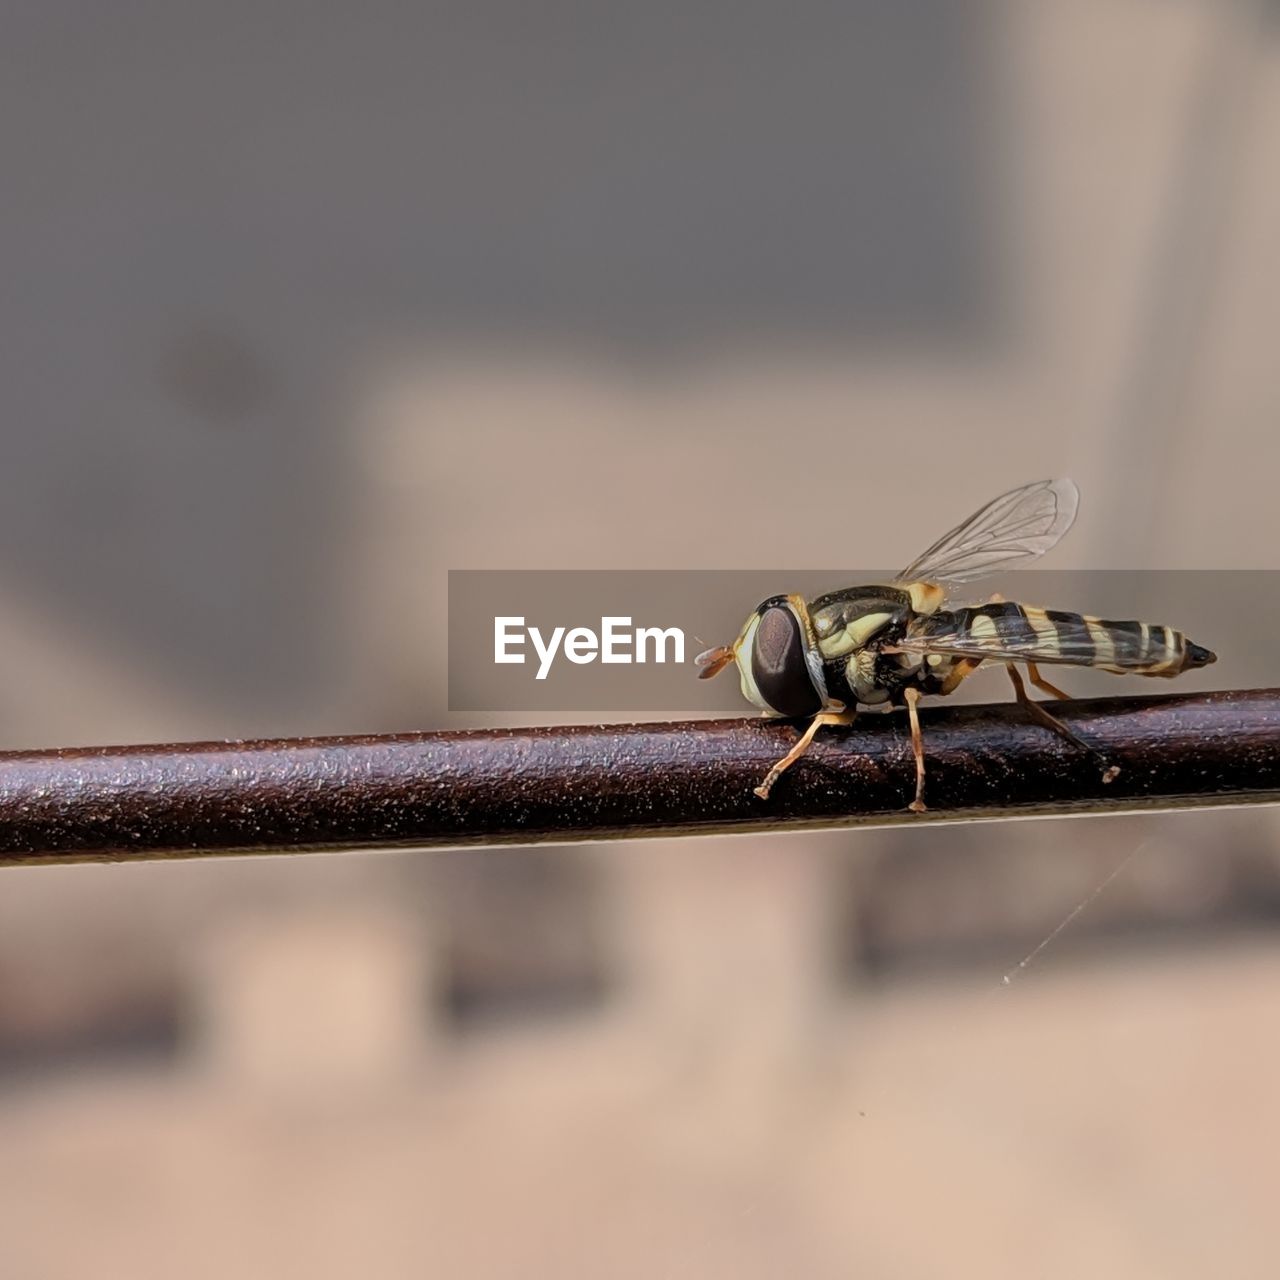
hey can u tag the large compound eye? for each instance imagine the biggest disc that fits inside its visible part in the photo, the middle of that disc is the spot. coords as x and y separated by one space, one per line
779 666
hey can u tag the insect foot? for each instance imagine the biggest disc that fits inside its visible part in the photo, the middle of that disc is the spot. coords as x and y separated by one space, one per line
767 785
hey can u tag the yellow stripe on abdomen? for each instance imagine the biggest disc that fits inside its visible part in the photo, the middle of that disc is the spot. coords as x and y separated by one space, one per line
1044 627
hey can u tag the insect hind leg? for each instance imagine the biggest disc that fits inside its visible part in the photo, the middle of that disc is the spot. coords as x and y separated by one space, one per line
963 669
1109 770
1033 674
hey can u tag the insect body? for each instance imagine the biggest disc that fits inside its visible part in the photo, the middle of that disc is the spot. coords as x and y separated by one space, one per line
894 643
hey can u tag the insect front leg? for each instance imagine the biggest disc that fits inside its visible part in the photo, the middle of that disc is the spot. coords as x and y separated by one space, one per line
1109 770
823 717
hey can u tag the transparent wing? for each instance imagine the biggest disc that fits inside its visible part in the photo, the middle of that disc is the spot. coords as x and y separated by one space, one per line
1013 528
1073 646
1008 632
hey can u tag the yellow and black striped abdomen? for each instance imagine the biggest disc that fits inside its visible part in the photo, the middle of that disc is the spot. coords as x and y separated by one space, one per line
1014 632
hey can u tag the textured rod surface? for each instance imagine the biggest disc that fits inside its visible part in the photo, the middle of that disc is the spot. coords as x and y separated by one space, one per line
506 786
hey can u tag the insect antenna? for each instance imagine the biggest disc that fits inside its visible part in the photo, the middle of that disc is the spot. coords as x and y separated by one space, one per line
713 661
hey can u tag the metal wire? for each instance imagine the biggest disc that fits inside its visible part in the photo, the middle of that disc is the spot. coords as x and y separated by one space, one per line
525 786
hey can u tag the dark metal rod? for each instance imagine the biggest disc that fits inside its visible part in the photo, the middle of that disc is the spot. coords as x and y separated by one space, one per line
518 786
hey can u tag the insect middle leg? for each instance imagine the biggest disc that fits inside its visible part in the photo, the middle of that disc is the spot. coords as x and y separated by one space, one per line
1109 770
964 667
823 717
912 696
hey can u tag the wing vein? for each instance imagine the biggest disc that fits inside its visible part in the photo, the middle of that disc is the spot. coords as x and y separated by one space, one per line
1015 527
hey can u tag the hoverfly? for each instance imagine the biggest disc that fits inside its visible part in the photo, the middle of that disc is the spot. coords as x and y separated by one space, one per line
894 643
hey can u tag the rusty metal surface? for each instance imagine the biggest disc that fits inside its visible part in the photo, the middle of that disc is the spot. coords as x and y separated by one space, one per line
587 782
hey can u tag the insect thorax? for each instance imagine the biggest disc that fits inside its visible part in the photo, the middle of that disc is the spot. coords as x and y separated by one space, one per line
851 627
856 630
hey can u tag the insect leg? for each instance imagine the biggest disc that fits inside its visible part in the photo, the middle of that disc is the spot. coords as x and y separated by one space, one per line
912 696
1109 770
824 717
1033 671
963 668
1033 674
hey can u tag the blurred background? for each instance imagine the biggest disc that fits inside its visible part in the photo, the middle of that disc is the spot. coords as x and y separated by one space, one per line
302 305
